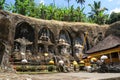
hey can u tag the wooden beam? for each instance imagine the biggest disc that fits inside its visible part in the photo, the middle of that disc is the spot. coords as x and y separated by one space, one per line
119 55
106 52
110 57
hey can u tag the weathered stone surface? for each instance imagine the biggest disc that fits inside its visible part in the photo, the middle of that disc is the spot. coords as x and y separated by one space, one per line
114 29
96 33
9 21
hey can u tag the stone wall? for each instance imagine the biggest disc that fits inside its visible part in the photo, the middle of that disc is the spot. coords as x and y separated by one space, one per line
95 33
9 22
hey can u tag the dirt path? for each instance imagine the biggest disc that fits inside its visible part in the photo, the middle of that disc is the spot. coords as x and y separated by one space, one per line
59 76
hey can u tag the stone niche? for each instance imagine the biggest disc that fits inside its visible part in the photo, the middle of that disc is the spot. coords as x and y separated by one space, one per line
31 38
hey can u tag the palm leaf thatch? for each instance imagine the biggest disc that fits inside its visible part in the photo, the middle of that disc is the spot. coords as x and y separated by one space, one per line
109 42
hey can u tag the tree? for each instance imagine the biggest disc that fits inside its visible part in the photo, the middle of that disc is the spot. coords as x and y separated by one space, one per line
68 2
71 10
51 10
54 2
23 6
10 7
29 8
2 2
97 13
81 1
114 17
80 16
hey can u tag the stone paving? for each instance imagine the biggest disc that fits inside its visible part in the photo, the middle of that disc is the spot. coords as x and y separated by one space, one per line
61 76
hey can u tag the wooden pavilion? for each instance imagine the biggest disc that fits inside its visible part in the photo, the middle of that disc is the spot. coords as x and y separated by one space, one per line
110 47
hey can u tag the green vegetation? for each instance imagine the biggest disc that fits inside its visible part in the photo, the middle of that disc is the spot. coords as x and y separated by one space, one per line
97 13
32 73
81 2
2 2
70 13
114 17
32 68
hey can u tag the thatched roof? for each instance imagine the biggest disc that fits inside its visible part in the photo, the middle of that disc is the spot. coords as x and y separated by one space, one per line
109 42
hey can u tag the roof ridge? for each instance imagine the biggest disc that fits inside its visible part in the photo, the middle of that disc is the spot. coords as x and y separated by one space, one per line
104 44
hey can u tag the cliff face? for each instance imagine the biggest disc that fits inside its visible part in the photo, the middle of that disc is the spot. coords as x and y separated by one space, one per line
9 21
4 25
96 33
15 26
114 29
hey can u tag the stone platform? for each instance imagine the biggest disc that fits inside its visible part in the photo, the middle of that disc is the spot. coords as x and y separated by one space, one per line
61 76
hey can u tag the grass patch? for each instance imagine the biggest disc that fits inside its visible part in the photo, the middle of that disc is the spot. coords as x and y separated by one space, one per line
31 73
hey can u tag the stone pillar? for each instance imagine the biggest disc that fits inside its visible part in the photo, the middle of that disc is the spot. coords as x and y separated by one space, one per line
4 59
110 57
11 36
56 42
46 48
35 45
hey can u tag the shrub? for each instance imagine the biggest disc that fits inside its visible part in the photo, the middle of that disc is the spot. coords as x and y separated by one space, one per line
51 68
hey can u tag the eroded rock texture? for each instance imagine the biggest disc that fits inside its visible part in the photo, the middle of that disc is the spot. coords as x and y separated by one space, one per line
42 36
